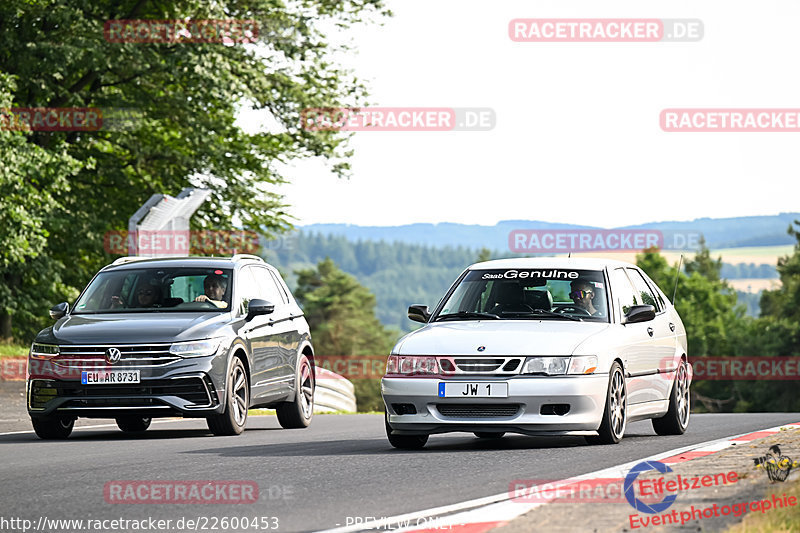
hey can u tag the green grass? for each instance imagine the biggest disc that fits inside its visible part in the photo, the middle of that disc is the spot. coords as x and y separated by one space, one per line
781 519
13 350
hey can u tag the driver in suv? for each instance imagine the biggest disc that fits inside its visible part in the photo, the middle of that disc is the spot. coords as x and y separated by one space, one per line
214 287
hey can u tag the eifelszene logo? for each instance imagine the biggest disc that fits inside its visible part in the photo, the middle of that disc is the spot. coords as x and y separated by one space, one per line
630 494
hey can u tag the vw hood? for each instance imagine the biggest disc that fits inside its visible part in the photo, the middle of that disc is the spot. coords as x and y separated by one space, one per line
134 328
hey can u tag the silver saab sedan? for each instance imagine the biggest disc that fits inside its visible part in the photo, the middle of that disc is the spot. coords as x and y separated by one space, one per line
540 346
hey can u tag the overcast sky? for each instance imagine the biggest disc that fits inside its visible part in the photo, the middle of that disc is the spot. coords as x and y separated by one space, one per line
577 138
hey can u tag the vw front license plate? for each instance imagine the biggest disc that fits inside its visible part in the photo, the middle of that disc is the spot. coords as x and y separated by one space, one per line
465 389
108 377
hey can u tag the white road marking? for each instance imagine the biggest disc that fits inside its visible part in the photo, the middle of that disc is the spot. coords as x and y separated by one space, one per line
500 508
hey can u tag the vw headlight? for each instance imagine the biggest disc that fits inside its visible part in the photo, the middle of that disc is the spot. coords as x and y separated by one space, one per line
196 348
43 351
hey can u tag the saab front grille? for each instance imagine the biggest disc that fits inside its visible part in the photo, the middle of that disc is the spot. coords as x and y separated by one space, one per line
477 410
481 365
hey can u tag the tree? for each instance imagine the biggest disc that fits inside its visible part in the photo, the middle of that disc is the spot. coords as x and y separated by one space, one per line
776 333
184 97
709 311
31 178
341 314
484 254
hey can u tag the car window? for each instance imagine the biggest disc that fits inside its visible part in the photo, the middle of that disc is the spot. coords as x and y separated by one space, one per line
267 290
153 290
530 293
248 288
643 290
660 297
624 293
281 286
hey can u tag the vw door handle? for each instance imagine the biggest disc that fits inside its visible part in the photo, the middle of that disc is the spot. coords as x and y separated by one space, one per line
650 331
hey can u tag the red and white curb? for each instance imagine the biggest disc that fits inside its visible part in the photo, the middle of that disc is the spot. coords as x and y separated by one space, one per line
482 514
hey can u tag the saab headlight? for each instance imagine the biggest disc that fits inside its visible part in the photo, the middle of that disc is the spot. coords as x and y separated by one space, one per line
583 364
549 366
559 366
196 348
411 364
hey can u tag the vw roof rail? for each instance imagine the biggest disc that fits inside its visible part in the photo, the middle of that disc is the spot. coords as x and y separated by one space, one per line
129 259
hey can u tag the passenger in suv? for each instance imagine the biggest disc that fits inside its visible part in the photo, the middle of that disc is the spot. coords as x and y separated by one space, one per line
226 336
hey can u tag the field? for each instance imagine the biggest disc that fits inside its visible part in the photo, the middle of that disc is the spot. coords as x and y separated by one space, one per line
758 255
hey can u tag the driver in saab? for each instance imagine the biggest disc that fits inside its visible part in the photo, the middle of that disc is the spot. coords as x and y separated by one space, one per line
582 294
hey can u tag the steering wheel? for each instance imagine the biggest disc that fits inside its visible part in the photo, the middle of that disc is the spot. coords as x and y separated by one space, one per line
569 308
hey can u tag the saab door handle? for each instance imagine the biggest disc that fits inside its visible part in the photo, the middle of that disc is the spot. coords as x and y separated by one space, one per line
671 326
650 331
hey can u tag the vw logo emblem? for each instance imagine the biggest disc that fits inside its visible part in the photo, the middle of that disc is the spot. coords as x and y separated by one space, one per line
113 355
481 348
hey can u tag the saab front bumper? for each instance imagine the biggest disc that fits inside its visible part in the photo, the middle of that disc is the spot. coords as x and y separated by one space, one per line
535 405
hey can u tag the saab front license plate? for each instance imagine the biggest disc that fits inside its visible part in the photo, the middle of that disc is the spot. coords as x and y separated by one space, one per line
108 377
465 389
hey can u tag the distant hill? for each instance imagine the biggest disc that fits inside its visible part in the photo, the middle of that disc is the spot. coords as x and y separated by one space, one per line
401 274
718 232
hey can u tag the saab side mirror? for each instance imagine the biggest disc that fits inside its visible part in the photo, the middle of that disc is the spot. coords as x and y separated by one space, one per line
257 306
639 313
419 313
59 310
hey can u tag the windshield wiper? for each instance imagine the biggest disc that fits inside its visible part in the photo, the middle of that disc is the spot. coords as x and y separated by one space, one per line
466 314
546 313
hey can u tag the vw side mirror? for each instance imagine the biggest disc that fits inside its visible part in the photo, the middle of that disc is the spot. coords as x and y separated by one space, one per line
59 310
257 306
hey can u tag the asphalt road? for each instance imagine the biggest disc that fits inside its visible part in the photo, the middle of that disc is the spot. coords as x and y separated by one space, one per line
342 466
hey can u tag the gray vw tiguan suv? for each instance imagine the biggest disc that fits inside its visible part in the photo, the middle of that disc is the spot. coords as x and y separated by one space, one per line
191 337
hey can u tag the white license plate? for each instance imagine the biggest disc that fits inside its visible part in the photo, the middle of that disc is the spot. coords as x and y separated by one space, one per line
108 377
466 389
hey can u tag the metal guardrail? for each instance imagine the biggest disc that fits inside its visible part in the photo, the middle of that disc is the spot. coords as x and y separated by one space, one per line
333 393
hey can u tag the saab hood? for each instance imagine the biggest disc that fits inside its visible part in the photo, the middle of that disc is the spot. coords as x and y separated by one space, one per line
499 337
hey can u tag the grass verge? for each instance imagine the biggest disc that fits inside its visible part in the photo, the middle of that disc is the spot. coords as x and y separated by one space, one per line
780 519
13 350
